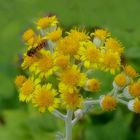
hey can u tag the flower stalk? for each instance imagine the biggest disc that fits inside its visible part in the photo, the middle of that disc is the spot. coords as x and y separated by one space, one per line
68 123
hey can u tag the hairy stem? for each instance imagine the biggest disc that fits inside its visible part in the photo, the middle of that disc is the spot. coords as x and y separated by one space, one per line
68 125
59 114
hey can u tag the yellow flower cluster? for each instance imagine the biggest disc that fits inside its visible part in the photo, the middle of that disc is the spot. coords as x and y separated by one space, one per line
66 57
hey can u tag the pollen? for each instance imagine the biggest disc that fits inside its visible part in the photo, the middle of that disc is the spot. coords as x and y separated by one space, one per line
108 103
113 45
101 34
26 90
55 35
20 80
130 71
93 85
120 80
44 97
72 100
134 89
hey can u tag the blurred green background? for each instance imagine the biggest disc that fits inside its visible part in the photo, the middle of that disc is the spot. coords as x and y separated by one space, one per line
19 121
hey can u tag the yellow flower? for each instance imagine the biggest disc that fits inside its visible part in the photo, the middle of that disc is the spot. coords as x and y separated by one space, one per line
134 89
113 45
70 78
55 35
71 100
20 80
108 103
111 61
62 61
27 89
28 61
47 22
120 80
101 34
130 71
90 55
68 46
28 35
45 65
78 35
45 97
93 85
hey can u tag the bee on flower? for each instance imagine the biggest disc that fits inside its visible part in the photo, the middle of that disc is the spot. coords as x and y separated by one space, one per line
60 68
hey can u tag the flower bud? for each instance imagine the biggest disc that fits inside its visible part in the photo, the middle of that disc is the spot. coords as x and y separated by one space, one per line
130 71
78 113
93 85
134 105
20 80
108 102
120 81
132 90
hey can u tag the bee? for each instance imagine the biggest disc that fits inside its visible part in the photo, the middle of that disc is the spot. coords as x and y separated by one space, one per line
34 51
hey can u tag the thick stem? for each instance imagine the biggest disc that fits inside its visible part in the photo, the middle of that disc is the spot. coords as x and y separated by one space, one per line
68 125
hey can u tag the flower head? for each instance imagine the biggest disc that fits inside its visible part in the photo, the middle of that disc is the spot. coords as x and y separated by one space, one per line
46 22
90 55
71 78
45 97
28 61
72 100
101 34
45 65
78 35
62 61
110 61
20 80
55 35
113 45
68 46
27 89
29 36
